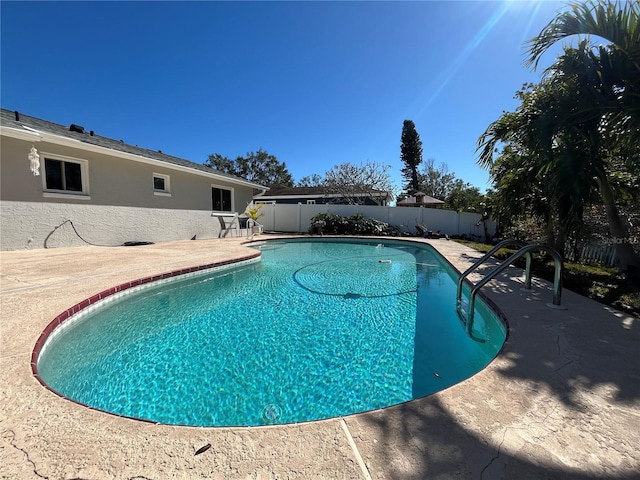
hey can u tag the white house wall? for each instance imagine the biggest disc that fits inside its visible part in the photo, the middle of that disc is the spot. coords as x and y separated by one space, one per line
31 225
120 206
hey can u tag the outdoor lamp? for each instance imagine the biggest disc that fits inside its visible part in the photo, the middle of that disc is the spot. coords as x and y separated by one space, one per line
34 161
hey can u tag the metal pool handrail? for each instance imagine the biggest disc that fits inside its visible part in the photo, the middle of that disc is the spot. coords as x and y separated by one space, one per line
479 262
557 278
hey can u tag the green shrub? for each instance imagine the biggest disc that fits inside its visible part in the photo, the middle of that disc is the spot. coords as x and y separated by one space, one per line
353 225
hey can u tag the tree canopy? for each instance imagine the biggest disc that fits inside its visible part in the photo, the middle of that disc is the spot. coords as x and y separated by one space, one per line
576 131
258 167
440 183
436 182
351 181
314 180
411 156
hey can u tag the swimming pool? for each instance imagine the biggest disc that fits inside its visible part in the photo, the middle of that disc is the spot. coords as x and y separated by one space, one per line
316 329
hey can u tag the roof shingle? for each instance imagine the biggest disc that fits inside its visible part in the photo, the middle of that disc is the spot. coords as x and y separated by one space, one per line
19 120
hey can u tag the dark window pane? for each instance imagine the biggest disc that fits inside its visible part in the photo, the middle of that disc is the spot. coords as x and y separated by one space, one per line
226 200
158 183
73 176
53 170
217 199
221 199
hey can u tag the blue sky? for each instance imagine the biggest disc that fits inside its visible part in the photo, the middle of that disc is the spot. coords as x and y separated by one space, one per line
314 83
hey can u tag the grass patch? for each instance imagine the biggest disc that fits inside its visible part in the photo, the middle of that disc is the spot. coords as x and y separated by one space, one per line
602 284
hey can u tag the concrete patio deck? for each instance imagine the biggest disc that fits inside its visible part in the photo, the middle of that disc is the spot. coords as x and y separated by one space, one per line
561 401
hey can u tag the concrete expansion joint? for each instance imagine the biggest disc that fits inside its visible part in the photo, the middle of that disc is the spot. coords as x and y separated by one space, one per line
12 442
19 280
356 452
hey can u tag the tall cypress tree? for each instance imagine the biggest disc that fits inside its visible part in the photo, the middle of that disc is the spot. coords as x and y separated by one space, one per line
411 155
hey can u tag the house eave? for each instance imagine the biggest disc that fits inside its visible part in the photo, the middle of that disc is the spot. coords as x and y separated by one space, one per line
36 136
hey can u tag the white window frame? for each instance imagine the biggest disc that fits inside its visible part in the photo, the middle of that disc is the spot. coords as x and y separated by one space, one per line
311 202
233 199
167 185
54 193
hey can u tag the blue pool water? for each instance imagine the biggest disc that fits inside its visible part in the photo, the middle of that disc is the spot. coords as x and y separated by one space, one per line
316 329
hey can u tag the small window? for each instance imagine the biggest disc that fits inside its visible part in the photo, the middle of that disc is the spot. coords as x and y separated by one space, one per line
221 199
311 202
66 177
161 184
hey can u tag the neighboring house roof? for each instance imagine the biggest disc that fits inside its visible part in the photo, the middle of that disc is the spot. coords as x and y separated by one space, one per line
23 126
282 191
419 201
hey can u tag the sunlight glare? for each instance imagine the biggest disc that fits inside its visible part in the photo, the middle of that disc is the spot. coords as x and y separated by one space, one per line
533 11
464 55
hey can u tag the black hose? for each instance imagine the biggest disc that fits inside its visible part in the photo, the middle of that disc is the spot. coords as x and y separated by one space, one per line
125 244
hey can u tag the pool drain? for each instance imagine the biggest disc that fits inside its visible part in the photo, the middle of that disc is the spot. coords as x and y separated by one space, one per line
271 413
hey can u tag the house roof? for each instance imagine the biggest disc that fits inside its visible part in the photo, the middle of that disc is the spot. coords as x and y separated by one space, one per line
420 200
281 191
36 127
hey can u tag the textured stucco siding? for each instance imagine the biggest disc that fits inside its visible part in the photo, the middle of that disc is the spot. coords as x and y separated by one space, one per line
120 206
31 225
111 180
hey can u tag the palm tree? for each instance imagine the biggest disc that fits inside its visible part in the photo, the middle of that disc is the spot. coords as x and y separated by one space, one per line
607 82
617 63
540 171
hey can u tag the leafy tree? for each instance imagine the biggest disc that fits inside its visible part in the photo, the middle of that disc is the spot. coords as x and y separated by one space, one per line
557 156
436 182
457 194
608 78
463 197
222 164
617 64
541 170
314 180
411 156
351 181
520 192
258 167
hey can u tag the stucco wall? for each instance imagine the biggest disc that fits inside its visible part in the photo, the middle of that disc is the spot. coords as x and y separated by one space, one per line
31 225
120 206
111 180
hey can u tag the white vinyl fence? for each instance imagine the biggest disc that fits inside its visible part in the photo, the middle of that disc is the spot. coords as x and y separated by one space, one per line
297 218
602 254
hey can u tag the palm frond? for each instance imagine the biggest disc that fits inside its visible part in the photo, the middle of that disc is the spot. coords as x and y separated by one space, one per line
615 22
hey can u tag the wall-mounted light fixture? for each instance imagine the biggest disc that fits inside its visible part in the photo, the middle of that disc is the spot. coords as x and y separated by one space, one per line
34 161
